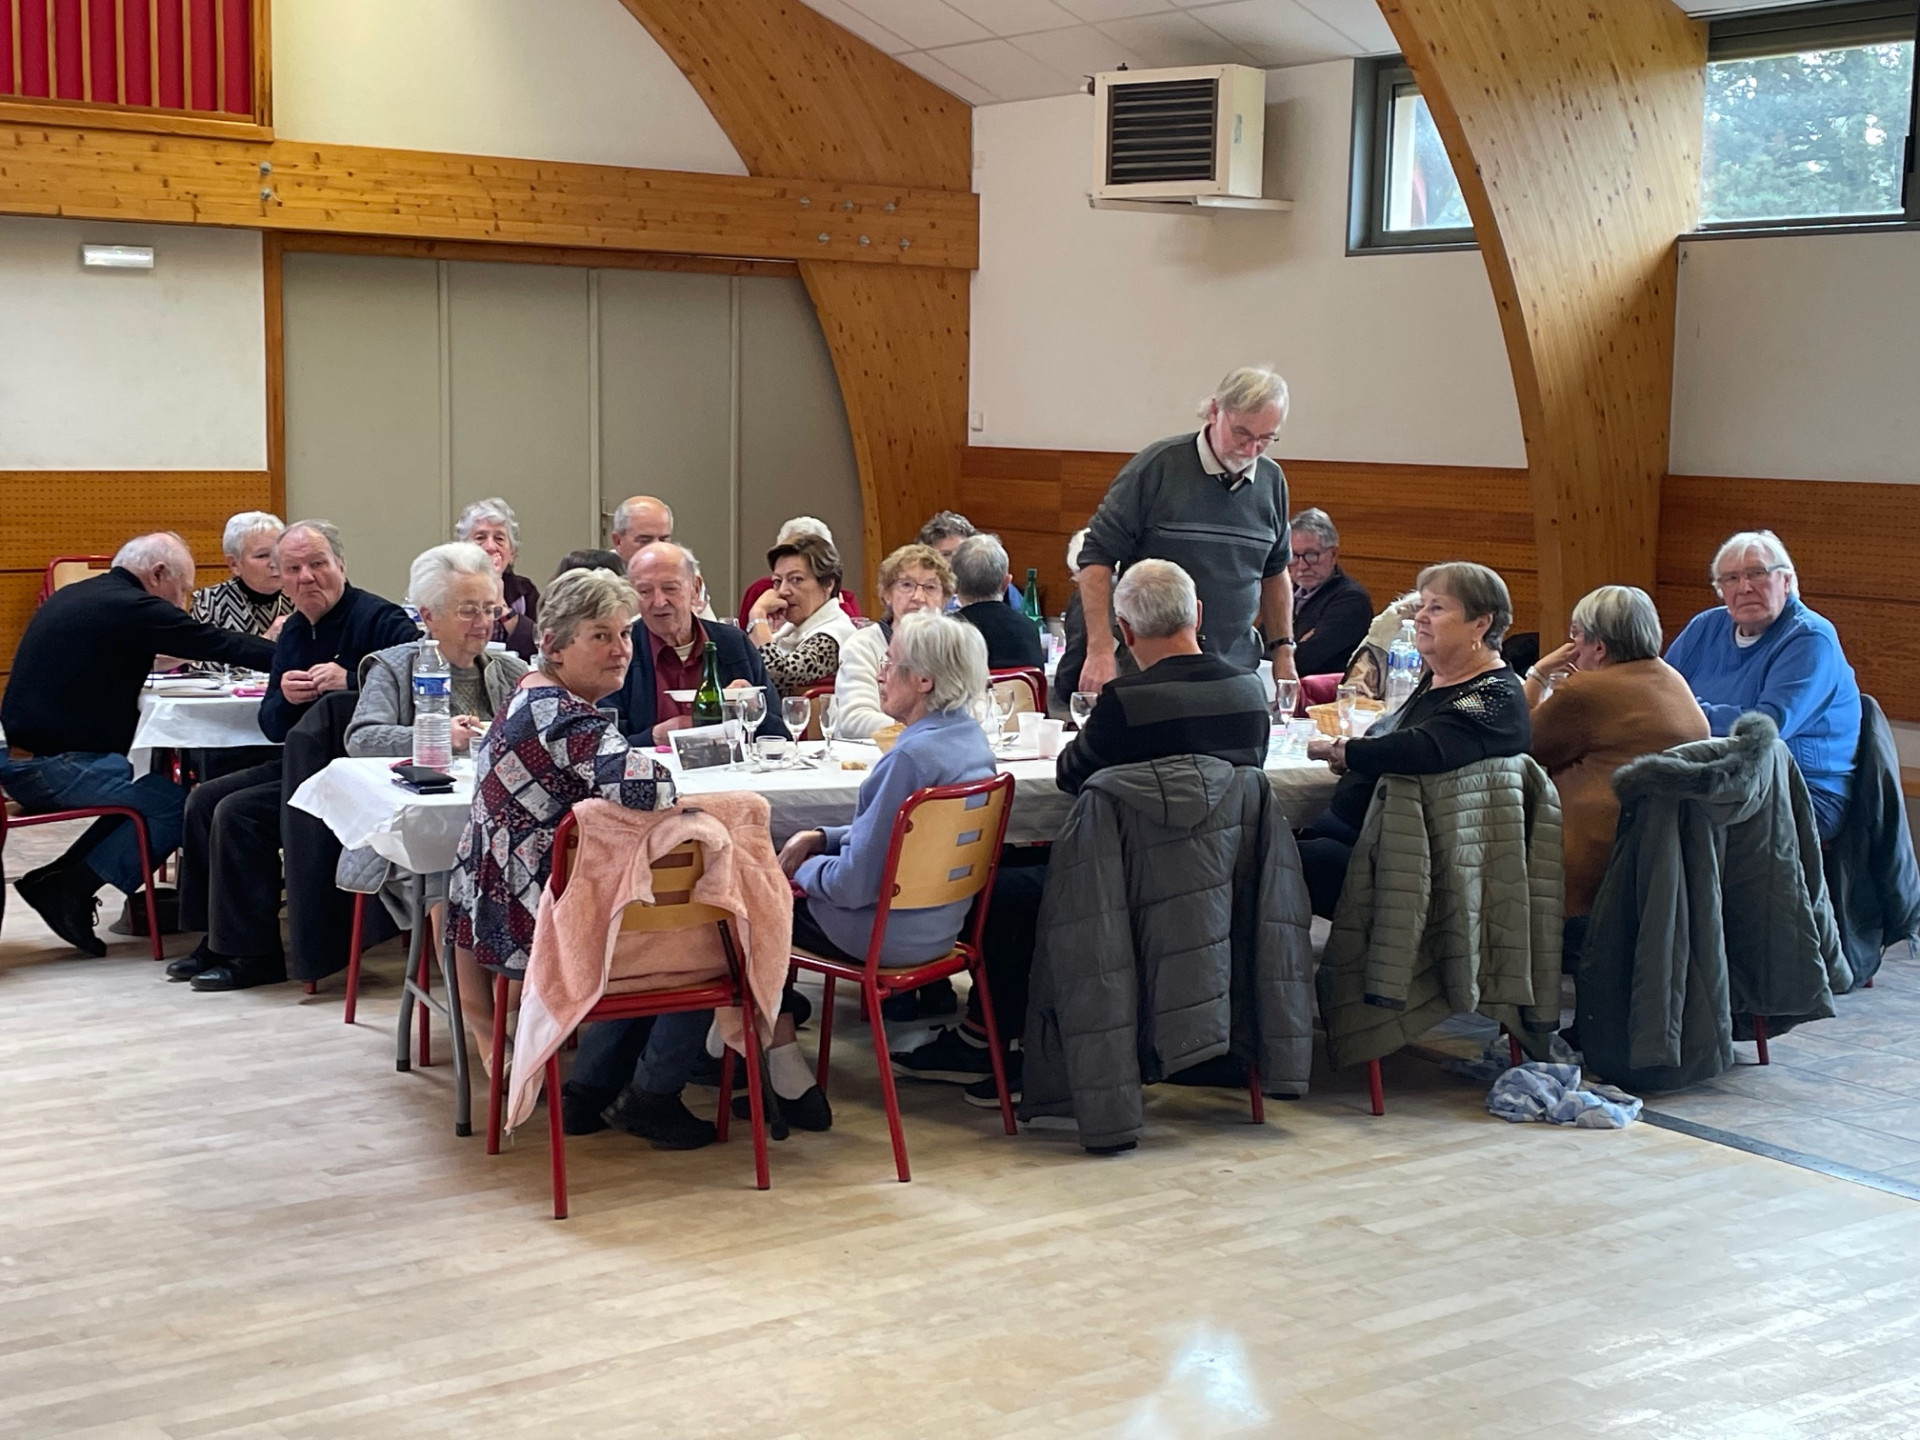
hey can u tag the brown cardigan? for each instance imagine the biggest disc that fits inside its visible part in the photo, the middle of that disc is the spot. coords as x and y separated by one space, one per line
1593 723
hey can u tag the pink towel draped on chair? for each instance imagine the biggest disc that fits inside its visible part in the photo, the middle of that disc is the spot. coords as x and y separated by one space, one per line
579 951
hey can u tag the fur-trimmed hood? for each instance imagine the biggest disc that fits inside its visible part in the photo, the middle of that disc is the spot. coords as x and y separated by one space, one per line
1729 774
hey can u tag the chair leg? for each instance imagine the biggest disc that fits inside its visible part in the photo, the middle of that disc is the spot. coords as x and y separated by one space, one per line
1868 985
725 1111
426 988
756 1100
496 1082
353 956
877 1028
826 1033
556 1138
146 869
1760 1038
1513 1049
1375 1091
978 970
1253 1094
312 987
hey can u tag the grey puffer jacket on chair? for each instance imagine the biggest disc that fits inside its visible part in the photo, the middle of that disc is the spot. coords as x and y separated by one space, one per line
1453 902
1174 929
1713 910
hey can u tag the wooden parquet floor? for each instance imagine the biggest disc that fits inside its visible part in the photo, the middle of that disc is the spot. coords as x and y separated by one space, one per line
228 1218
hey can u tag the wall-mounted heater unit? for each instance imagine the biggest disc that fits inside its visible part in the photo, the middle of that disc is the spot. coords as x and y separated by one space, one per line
1191 137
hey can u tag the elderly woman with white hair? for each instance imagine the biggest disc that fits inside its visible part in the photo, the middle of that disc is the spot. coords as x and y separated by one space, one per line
1620 701
492 525
457 592
250 599
1763 649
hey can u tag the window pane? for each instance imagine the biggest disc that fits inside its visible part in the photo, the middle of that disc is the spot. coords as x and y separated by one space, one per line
1797 136
1421 191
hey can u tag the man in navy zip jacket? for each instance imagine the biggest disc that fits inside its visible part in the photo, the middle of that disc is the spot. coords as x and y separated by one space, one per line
230 864
669 651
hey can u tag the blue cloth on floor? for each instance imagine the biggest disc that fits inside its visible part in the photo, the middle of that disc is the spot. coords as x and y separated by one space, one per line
1556 1093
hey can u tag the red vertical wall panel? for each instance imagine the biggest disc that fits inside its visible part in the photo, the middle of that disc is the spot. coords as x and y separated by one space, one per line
168 40
6 47
33 47
106 52
236 17
202 16
103 57
139 56
69 76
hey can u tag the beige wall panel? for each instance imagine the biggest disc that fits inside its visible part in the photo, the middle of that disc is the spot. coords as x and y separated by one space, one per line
796 453
518 340
363 407
666 407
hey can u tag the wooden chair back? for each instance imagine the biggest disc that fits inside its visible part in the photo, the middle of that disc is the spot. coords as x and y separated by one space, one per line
1028 689
945 843
674 876
817 698
65 570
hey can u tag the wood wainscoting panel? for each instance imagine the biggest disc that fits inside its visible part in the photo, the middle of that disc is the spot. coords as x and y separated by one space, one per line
95 512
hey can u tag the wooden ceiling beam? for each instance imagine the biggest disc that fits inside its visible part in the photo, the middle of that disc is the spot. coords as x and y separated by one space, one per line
1574 131
357 190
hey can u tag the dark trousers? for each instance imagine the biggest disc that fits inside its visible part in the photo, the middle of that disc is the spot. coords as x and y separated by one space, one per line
807 935
1013 925
230 863
1326 849
109 847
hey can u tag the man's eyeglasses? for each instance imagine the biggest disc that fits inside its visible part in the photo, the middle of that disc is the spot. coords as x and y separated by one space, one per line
1727 583
1244 436
1309 557
469 613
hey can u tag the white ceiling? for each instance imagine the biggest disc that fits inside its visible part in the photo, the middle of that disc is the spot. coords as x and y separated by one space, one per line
989 51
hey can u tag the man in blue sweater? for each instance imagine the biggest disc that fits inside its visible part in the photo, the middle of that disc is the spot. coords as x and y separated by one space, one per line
230 863
1766 651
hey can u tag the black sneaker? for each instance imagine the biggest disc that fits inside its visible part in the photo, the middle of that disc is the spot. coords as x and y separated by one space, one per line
65 898
581 1108
806 1112
662 1120
930 1002
982 1093
952 1056
1122 1148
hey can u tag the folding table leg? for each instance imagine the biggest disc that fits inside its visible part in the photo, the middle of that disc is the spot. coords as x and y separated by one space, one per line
457 1035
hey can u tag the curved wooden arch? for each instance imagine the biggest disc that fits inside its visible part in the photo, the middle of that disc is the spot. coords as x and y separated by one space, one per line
797 95
1575 133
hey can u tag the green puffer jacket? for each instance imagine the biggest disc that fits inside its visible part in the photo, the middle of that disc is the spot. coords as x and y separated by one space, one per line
1453 902
1713 910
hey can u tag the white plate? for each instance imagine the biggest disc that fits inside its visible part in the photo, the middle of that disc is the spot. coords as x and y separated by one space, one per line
680 697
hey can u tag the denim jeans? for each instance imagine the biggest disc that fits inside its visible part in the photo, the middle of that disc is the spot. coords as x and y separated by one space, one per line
76 780
674 1045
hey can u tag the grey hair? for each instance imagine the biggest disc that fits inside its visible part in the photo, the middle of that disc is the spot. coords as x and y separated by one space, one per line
325 529
145 553
492 508
1251 387
803 525
1623 618
949 652
623 512
1766 542
578 598
980 569
433 570
1074 542
1480 591
243 527
1156 598
1317 523
945 525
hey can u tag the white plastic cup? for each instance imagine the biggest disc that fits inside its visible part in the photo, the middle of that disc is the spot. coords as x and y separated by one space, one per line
1030 722
1052 736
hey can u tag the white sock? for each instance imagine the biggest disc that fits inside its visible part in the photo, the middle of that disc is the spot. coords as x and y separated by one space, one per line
792 1076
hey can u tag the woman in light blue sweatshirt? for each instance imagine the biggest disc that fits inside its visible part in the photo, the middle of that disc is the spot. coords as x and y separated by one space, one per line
935 669
1766 651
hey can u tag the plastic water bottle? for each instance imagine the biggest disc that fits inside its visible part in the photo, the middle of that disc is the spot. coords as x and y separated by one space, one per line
432 708
1403 667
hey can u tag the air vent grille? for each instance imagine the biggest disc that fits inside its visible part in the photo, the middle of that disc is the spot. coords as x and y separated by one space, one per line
1161 132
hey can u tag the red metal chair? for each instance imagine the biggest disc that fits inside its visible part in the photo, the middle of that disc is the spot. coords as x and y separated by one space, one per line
945 848
95 812
673 908
424 978
1376 1092
816 697
65 570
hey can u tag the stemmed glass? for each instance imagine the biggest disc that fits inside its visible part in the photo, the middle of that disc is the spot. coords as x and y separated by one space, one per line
795 712
829 722
730 722
1286 699
999 707
1347 697
1081 707
751 703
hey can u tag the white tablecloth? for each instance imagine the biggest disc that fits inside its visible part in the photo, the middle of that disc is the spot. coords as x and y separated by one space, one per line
811 798
193 722
362 806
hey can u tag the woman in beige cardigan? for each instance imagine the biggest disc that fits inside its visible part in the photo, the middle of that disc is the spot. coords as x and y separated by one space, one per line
1620 701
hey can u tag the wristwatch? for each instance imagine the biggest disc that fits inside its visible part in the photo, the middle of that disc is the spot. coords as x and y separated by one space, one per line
1283 641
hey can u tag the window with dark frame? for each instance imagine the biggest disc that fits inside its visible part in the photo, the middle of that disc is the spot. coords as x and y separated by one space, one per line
1405 195
1809 117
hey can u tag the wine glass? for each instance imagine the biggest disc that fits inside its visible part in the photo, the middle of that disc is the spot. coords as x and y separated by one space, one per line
752 703
1347 698
1286 698
795 712
999 707
730 722
1081 707
829 722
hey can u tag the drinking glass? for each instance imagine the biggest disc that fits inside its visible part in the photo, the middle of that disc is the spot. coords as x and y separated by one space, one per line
1286 698
730 722
753 709
795 712
999 706
1081 707
1347 697
829 722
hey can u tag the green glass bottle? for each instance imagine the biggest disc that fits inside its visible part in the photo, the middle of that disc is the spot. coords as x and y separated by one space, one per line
1031 604
706 700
